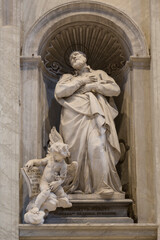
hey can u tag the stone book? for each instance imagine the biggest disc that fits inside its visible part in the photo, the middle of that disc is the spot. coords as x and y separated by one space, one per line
32 178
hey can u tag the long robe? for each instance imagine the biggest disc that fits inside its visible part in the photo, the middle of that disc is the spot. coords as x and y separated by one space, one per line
87 126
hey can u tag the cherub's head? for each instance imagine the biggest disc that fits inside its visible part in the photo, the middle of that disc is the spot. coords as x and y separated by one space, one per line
59 151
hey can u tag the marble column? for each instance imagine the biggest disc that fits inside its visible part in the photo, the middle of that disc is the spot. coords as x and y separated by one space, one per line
155 87
10 126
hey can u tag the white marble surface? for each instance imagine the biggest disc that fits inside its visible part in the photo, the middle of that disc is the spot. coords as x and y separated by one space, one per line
31 108
51 193
94 197
74 12
155 93
10 126
89 231
141 135
89 116
31 11
138 97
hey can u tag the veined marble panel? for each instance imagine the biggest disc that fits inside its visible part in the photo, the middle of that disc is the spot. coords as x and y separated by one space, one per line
10 126
155 100
89 232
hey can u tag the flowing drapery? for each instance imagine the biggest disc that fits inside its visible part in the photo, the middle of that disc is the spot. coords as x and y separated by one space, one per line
87 126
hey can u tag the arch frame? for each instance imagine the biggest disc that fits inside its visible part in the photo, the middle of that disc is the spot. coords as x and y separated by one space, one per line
80 11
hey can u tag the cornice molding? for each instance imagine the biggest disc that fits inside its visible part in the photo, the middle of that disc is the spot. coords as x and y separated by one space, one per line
32 61
139 62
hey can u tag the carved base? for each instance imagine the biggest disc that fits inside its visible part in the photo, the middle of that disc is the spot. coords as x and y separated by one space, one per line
82 196
96 231
93 211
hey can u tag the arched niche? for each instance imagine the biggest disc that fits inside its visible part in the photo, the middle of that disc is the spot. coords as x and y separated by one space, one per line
129 66
79 11
105 48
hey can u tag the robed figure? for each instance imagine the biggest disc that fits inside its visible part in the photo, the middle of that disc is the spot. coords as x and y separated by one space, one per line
87 126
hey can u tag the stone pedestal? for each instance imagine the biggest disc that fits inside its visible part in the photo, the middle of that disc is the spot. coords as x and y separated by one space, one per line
93 211
88 232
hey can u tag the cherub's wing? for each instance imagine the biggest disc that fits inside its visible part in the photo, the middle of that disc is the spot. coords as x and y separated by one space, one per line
54 137
71 177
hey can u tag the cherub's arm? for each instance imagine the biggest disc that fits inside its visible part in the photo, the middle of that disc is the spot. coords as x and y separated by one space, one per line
37 162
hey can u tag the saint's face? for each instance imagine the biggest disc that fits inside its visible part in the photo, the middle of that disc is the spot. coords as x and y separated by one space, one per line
77 60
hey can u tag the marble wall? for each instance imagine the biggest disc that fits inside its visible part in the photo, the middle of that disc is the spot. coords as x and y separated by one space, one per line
139 108
155 99
10 118
16 19
138 10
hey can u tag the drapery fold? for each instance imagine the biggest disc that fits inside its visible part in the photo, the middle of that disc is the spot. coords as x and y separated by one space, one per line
87 126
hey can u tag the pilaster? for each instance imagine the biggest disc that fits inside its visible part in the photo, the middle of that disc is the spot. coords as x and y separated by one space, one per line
10 127
141 139
155 88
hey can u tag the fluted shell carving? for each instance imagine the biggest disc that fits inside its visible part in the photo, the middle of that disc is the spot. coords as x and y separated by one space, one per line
105 50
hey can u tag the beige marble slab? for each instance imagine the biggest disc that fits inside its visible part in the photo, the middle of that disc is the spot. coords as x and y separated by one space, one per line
89 232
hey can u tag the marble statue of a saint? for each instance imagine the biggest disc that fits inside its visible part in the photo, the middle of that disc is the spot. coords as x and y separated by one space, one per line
87 126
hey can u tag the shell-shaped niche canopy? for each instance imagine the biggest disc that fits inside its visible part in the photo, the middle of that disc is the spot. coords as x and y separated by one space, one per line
104 47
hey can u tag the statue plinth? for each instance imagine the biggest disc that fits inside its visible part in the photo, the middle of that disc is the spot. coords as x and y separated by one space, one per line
95 197
93 211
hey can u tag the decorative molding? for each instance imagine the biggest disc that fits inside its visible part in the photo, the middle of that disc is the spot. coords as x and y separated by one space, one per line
32 61
79 11
139 62
104 49
88 231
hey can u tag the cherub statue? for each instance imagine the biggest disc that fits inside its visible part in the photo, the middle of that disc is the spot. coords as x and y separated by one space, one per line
50 185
